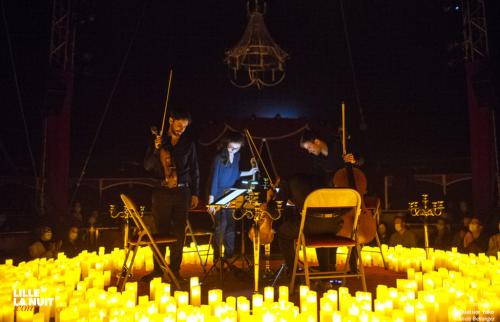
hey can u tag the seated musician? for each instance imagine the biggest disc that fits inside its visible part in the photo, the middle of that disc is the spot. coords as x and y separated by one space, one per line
326 159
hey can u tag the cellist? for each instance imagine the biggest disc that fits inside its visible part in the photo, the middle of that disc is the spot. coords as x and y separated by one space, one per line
326 159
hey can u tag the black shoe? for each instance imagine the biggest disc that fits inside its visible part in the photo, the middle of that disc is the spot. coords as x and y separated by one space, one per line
149 277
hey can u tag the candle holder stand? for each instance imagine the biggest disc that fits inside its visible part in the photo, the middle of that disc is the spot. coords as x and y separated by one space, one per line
125 215
426 209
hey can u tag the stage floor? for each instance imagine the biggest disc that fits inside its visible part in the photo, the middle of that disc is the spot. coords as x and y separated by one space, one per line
238 282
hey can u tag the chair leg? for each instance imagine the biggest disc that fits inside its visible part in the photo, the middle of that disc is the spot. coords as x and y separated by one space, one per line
208 250
126 268
295 266
193 239
160 260
361 267
306 262
380 248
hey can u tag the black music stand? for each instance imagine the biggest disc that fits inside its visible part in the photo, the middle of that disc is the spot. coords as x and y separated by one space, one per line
225 202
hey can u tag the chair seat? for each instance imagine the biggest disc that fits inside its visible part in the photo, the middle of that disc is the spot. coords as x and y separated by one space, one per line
201 232
327 240
158 238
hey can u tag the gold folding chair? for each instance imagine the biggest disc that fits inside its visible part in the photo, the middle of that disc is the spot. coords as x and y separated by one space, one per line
144 238
199 231
327 201
373 204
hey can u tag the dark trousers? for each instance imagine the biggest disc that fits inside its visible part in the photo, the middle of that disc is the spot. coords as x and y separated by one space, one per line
296 189
224 224
289 230
170 207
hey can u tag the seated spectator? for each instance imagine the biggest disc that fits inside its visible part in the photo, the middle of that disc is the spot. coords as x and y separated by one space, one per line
442 237
76 214
458 237
44 246
383 233
475 241
92 220
402 236
494 243
71 245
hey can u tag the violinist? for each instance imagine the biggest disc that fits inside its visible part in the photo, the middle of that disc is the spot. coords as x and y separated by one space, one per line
172 160
224 174
326 159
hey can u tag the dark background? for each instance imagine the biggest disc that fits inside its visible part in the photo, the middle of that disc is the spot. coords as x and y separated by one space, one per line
407 63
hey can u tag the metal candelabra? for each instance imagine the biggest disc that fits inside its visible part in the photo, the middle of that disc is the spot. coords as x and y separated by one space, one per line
124 213
426 209
252 210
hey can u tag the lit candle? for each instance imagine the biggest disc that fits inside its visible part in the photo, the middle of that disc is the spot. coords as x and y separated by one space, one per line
182 298
214 297
24 316
231 303
303 294
194 281
152 287
283 293
257 301
195 295
269 294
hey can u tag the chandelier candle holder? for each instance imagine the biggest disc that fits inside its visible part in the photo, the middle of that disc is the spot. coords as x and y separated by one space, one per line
256 59
114 213
253 210
426 209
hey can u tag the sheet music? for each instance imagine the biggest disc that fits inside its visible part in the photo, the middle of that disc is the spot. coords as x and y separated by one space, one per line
230 197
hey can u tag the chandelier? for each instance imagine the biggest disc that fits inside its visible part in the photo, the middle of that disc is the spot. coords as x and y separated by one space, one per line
256 59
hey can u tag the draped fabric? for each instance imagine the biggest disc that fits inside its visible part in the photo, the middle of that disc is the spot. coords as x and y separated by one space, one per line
57 161
481 104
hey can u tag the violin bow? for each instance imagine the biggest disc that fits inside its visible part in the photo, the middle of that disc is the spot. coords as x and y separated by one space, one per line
166 103
255 154
344 149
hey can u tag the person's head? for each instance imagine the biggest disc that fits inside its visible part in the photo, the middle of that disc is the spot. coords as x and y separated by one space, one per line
230 144
73 233
382 228
441 224
179 121
77 207
93 217
467 219
399 224
475 225
45 233
311 142
463 206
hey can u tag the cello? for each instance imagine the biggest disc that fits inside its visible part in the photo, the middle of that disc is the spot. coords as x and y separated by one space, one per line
352 177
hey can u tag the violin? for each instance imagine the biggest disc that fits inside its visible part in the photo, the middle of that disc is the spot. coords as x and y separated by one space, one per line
169 173
352 177
167 163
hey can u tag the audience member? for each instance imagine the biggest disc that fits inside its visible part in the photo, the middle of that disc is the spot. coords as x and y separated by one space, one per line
383 233
494 243
402 236
44 246
71 245
442 237
458 237
76 215
475 241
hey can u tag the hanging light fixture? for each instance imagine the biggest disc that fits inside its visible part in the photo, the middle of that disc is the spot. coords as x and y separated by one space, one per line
256 59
